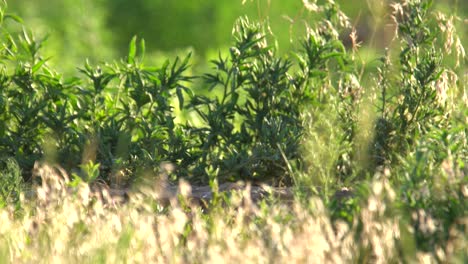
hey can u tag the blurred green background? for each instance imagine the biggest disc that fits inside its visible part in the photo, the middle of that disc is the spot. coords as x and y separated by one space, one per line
100 30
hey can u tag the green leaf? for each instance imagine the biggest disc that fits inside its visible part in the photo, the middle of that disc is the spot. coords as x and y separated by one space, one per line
13 17
38 65
132 50
76 181
180 96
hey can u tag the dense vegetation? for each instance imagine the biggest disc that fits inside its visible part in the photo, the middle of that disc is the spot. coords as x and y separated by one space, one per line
317 120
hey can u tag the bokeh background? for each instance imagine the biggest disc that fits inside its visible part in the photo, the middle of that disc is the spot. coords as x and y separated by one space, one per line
100 30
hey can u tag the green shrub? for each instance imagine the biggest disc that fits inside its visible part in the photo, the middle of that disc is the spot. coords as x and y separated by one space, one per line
11 184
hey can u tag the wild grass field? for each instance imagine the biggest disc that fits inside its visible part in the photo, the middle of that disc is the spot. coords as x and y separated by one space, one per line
349 146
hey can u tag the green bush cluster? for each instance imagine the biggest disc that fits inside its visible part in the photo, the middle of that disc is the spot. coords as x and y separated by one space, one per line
121 114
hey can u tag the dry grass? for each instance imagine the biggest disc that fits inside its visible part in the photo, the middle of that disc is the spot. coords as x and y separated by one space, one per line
67 225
